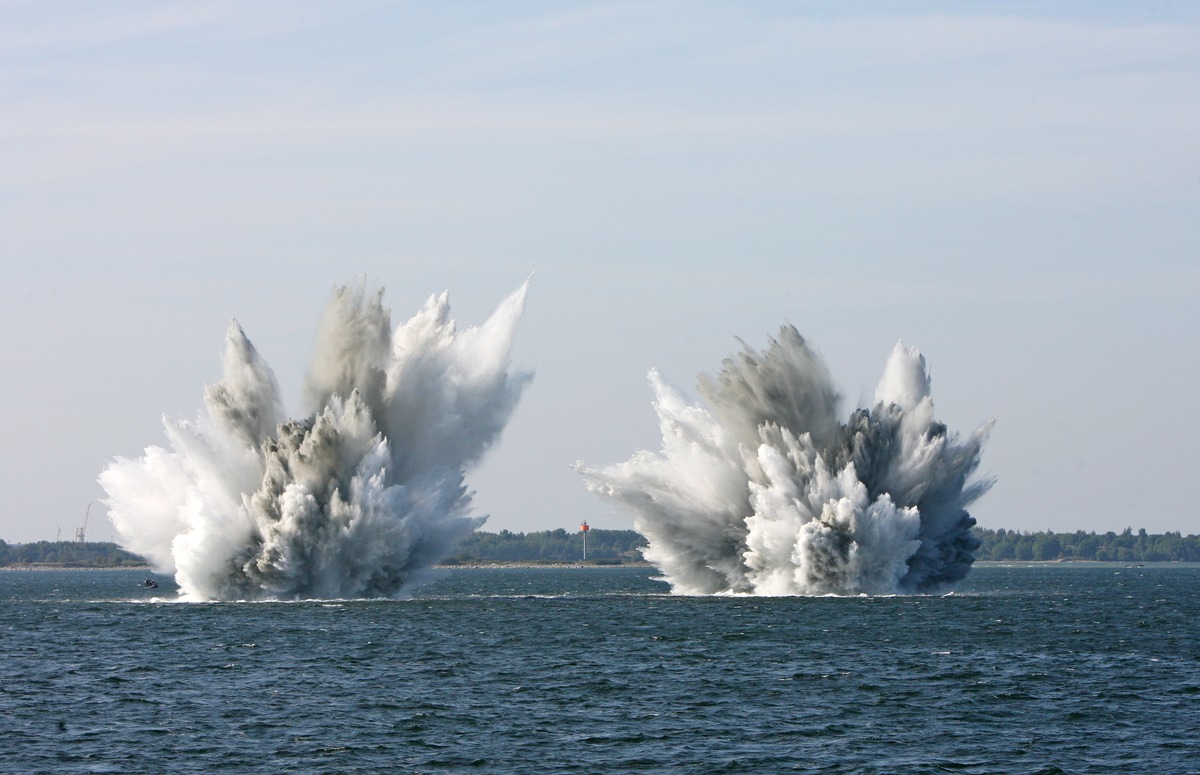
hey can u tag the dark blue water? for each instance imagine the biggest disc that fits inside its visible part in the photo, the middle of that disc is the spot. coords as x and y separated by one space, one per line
1041 669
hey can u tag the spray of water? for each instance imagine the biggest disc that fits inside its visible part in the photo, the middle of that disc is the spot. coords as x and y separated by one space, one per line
358 497
768 492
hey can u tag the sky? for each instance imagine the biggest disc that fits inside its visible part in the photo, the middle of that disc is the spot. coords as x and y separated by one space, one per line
1013 188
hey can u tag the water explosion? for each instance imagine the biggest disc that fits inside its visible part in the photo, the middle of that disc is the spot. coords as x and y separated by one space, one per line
770 493
355 499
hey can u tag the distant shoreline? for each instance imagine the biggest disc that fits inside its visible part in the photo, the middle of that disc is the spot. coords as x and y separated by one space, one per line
468 566
517 565
47 566
523 565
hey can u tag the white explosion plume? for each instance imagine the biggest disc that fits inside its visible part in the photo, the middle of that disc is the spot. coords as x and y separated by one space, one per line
768 492
354 500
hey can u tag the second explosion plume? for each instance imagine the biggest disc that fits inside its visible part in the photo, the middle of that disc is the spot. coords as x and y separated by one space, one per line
767 491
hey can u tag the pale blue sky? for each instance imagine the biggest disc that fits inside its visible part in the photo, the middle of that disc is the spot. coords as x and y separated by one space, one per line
1014 190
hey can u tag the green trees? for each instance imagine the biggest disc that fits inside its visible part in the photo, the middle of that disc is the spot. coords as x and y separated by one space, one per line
603 547
70 554
1111 547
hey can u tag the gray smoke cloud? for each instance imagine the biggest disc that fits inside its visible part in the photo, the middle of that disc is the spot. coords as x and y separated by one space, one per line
356 498
766 491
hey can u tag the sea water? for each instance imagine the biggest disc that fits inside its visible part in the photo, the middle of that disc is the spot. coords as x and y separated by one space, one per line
1072 668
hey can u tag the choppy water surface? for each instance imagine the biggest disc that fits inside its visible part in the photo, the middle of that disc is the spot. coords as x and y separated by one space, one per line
1039 669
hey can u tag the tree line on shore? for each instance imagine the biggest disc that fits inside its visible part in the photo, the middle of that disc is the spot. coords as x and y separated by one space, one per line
604 547
625 546
68 554
1126 546
612 547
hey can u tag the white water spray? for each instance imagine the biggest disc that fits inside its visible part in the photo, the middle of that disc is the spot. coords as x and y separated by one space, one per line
768 492
354 500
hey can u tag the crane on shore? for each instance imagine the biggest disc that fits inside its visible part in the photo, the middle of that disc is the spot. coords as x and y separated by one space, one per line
81 531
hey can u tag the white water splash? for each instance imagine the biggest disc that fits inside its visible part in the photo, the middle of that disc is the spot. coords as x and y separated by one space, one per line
768 492
354 500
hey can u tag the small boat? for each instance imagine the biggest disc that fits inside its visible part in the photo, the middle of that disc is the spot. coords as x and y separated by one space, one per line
150 584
